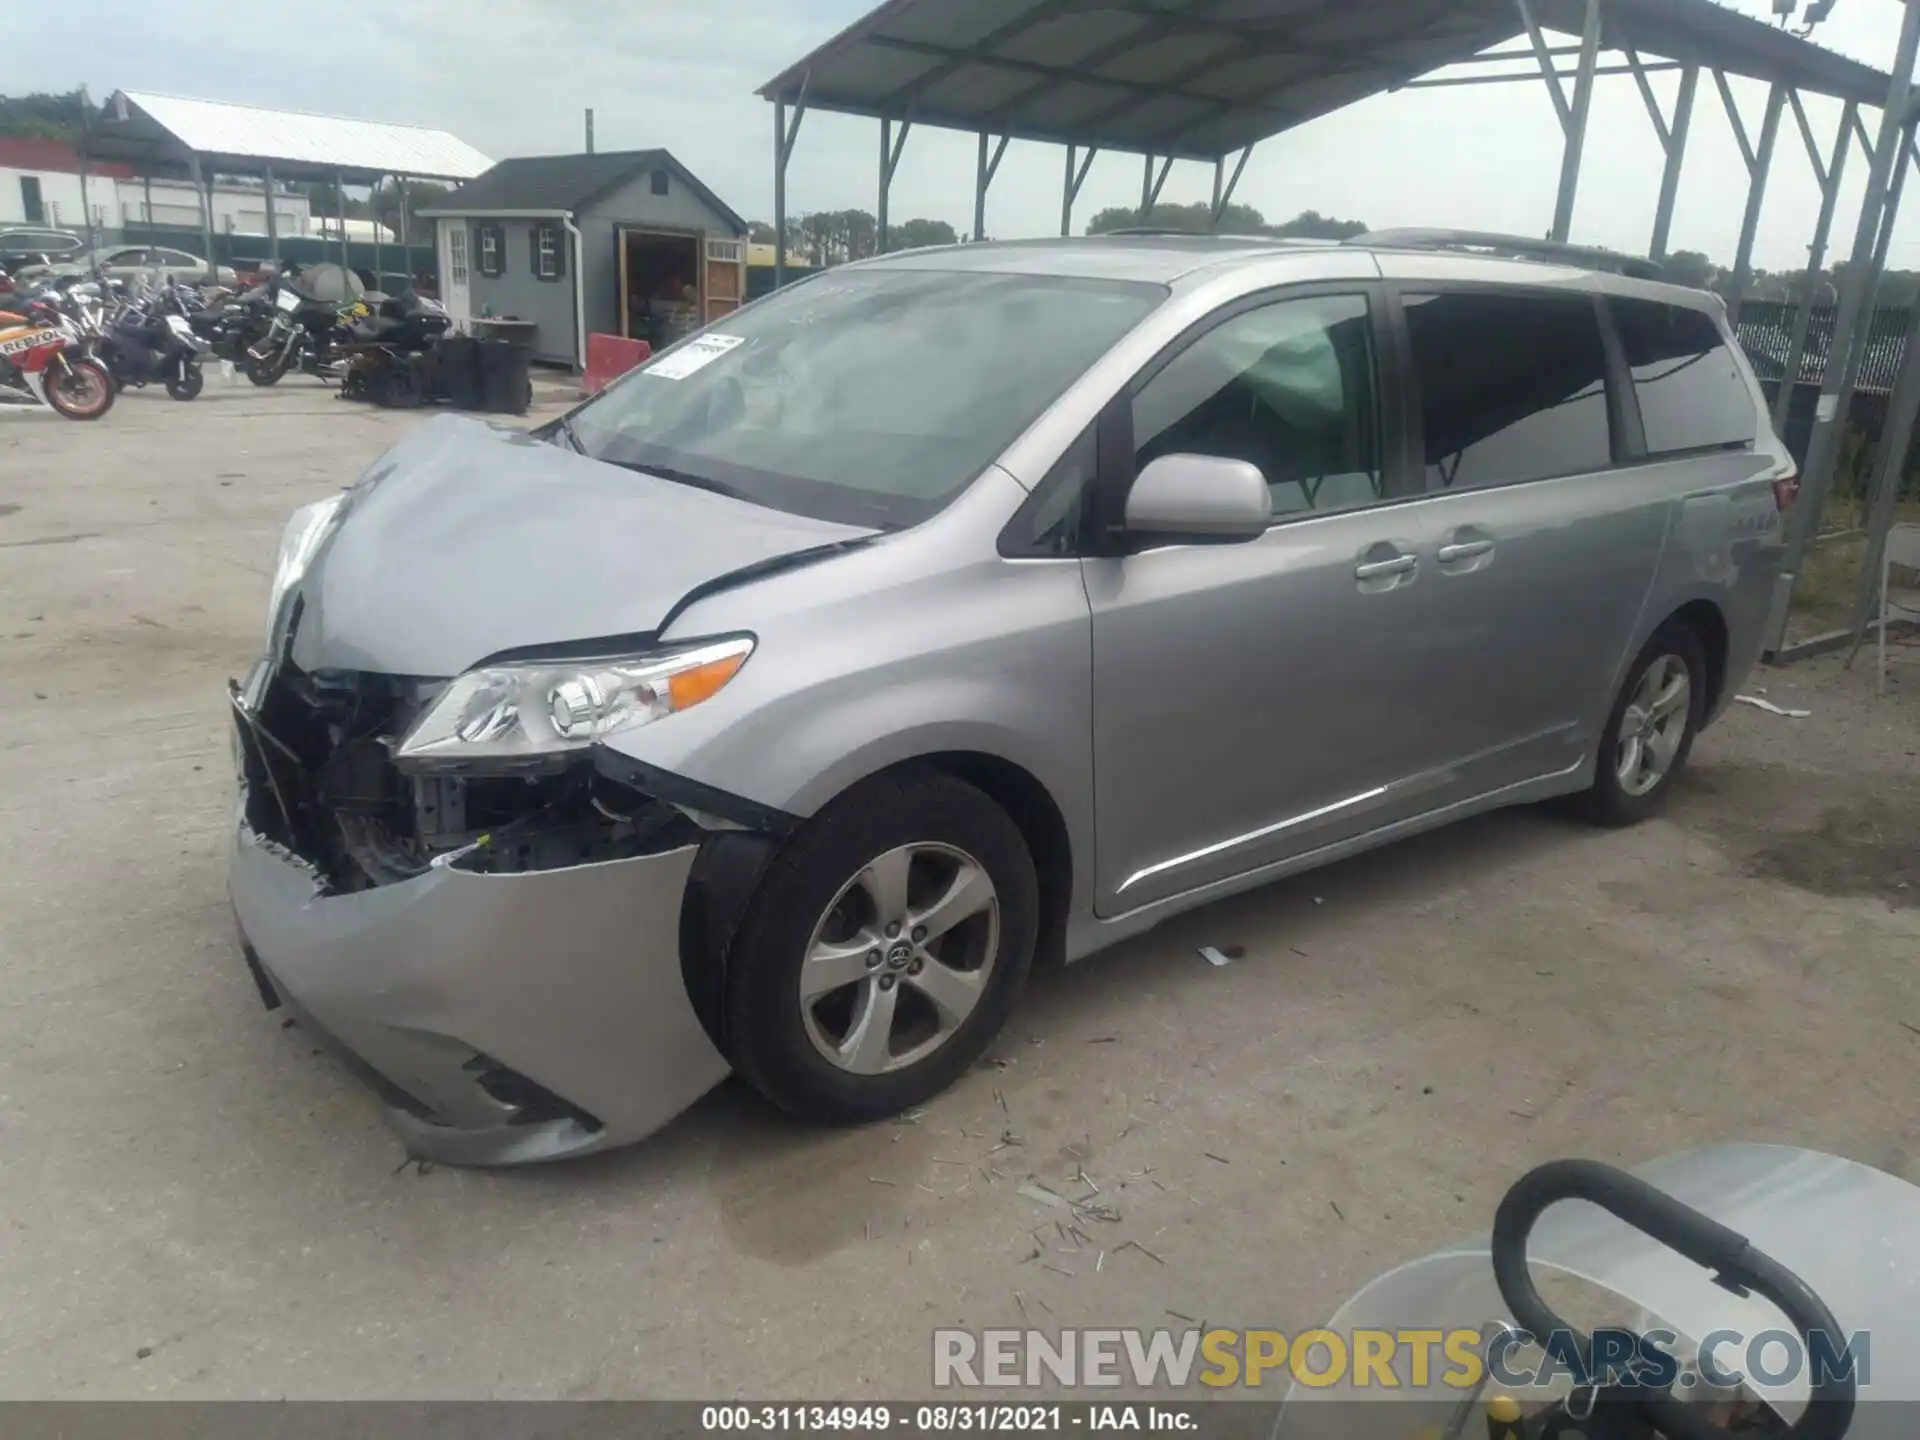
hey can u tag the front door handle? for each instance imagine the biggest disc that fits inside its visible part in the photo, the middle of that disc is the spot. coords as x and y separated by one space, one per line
1380 569
1465 550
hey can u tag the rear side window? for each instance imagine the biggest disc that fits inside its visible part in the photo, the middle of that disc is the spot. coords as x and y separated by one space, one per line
1691 393
1513 387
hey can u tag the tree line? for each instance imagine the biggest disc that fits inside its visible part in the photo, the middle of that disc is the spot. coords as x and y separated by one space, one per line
834 237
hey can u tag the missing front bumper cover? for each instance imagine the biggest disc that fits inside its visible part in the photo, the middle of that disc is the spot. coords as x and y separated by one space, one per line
317 760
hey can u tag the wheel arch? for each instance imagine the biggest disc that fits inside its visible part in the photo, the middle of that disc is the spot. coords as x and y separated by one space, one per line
732 863
1708 622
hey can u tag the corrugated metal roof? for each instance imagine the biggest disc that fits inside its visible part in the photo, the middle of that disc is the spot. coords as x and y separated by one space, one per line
1198 80
213 127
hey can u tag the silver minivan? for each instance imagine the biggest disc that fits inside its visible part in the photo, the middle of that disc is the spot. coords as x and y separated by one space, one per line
776 710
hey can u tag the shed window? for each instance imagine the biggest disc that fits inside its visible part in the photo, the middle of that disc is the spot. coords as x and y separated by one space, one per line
549 252
489 243
659 182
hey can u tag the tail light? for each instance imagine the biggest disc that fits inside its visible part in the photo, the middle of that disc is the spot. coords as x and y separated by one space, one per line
1786 490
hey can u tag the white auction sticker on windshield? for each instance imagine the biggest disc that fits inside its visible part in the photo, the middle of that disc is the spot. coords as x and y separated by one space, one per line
696 354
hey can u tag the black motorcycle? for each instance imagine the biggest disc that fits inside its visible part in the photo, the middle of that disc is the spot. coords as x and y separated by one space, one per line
313 311
231 324
153 342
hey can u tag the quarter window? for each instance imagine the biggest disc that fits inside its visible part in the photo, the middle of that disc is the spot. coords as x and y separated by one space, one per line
1692 395
1513 387
1289 388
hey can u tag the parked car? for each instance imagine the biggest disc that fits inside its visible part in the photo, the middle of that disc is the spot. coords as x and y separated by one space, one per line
24 247
958 608
133 262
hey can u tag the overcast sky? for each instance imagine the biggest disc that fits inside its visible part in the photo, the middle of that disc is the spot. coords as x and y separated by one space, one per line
513 76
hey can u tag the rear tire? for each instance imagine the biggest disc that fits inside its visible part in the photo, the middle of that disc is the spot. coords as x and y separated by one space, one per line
1650 730
82 390
942 988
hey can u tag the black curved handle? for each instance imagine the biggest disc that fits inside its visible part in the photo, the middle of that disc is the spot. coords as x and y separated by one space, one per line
1736 1265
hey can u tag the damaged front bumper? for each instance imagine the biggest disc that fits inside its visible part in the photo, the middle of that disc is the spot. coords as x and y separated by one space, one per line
503 1016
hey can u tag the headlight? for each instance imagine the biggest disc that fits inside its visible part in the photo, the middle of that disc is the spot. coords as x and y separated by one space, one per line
544 708
305 530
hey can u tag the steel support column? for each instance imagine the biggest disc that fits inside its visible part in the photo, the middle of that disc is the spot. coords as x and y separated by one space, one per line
983 174
1890 212
890 148
1896 441
1224 197
1674 139
1151 186
273 222
203 192
340 204
1759 160
784 136
1576 122
1070 191
1856 292
1829 174
373 210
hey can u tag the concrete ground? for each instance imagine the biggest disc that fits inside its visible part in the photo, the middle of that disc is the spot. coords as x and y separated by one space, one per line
195 1202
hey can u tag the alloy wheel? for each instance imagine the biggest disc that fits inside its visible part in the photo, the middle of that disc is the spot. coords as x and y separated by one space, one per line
900 959
1653 725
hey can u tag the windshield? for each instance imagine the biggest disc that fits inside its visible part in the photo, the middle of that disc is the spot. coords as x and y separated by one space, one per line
865 397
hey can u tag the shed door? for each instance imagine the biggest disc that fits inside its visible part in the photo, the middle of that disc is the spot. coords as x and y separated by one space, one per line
453 272
726 287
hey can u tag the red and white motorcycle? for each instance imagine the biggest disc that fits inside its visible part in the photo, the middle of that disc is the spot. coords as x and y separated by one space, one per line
42 355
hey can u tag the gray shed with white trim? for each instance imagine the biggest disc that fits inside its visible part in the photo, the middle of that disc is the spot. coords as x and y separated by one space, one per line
621 243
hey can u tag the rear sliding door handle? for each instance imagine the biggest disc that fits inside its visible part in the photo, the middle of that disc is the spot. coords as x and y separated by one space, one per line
1379 569
1465 550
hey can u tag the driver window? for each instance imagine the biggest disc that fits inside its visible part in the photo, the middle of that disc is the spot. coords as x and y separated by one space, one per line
1290 388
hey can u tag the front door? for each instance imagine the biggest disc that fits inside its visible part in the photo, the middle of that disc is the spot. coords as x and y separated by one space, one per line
454 292
1259 700
726 287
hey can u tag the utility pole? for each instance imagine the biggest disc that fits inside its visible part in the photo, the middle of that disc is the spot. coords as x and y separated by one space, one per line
589 129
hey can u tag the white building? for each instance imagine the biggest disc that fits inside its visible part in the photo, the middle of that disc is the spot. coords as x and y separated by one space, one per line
238 208
40 185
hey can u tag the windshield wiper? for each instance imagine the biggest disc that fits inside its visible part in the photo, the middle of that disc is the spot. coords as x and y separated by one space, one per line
564 426
679 477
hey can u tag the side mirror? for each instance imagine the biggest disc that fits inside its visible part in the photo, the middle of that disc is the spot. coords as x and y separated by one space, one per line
1199 496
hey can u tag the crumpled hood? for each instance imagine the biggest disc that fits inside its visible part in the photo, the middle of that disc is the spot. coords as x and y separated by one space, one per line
464 541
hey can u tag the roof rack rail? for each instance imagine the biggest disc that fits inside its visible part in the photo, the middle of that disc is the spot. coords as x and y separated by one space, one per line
1178 232
1515 247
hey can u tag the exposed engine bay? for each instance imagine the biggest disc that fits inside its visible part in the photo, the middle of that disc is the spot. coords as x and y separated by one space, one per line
323 783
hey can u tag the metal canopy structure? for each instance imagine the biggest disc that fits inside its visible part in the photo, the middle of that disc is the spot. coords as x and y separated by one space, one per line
1202 79
1197 81
176 136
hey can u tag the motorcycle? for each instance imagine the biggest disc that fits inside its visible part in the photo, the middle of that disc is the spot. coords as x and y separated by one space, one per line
43 356
312 313
151 341
230 324
389 350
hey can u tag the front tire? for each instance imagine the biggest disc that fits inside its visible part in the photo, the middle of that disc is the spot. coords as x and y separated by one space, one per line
883 951
186 381
268 371
80 390
1650 730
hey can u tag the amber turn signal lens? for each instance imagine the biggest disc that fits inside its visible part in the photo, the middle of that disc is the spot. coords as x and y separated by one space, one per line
690 687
